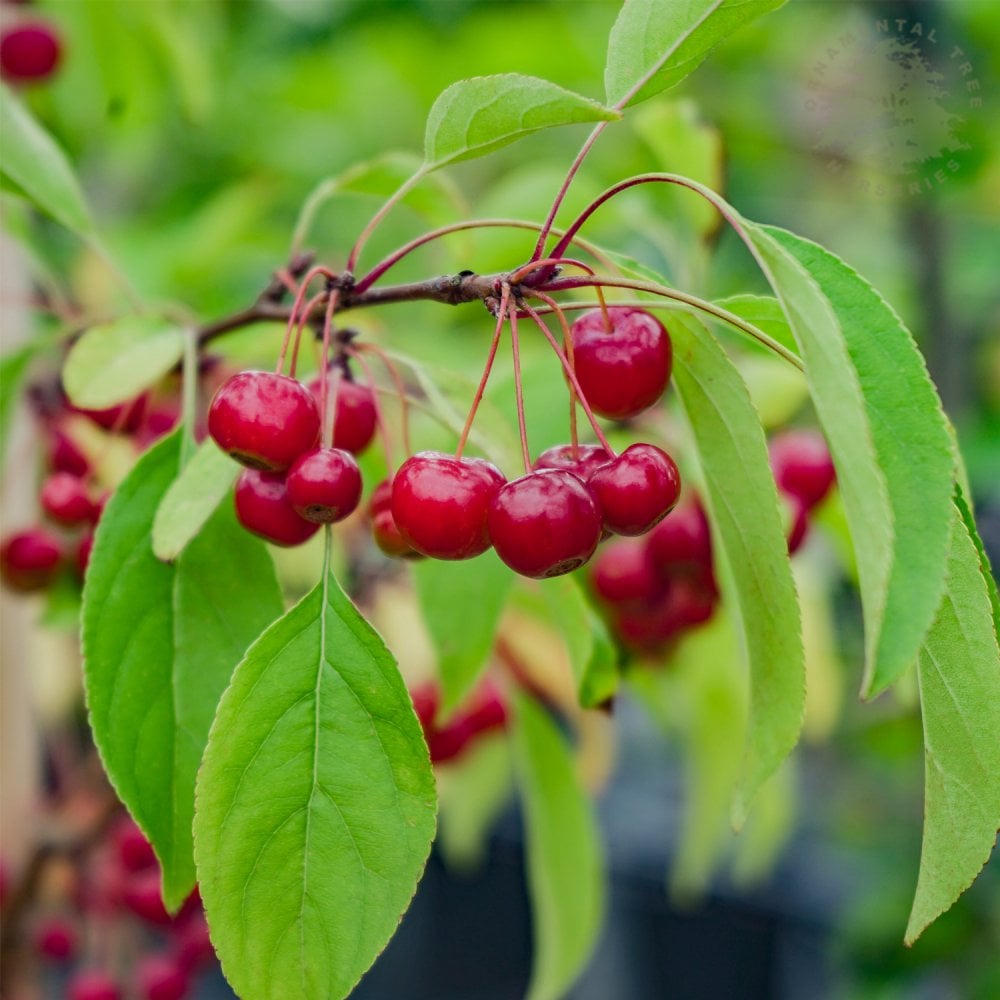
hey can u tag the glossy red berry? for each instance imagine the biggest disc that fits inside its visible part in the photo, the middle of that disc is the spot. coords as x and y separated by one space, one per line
588 459
544 524
636 490
263 507
440 502
264 420
57 940
354 420
142 895
384 529
125 418
623 572
192 945
798 524
29 560
29 52
83 550
66 500
160 977
624 370
65 456
324 485
802 465
91 984
134 851
681 545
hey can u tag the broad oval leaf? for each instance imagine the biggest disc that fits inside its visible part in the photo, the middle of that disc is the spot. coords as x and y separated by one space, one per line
477 116
38 168
203 484
654 45
114 362
742 501
316 805
462 603
159 644
564 861
959 675
888 436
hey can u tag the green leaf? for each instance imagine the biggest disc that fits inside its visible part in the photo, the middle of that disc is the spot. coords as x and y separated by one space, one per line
742 501
766 313
114 362
160 643
315 805
474 117
462 603
654 45
438 200
473 789
13 369
702 695
33 162
565 870
588 643
959 676
984 559
202 485
768 828
888 437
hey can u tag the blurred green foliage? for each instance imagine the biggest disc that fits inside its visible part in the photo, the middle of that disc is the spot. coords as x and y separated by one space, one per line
199 129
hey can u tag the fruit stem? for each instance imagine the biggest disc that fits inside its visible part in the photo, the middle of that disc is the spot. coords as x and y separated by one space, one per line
300 326
519 274
571 358
571 375
313 272
398 384
518 387
327 406
501 315
383 431
390 202
561 193
363 284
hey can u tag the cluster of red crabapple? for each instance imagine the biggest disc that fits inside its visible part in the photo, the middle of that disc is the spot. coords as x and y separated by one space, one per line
654 589
70 497
544 523
114 892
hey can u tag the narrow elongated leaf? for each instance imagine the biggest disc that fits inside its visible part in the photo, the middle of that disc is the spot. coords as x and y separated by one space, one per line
462 603
474 789
591 651
765 312
160 644
202 485
654 45
984 560
959 674
114 362
888 437
743 504
477 116
563 853
315 805
38 168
